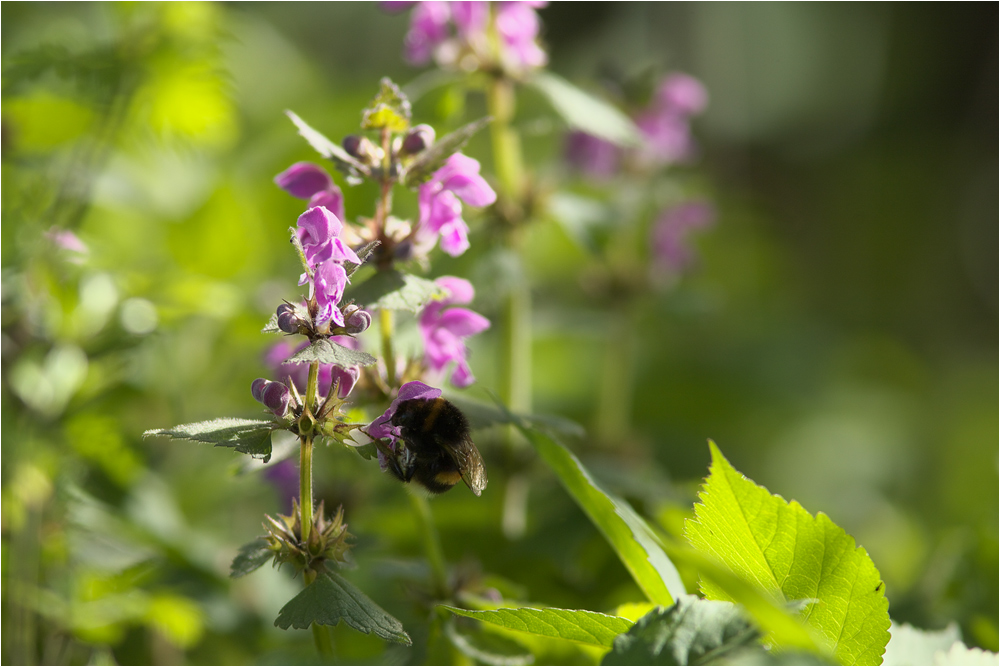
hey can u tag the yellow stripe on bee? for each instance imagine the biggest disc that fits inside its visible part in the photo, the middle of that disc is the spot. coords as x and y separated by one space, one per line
449 477
432 415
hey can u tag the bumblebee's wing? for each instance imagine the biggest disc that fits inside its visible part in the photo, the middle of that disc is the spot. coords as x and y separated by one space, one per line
470 463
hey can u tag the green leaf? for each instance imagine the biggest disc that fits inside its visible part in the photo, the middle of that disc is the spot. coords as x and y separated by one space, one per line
431 159
250 557
583 111
330 599
367 452
363 254
581 217
691 632
629 535
248 436
393 290
783 628
487 648
791 555
325 351
390 109
584 627
344 161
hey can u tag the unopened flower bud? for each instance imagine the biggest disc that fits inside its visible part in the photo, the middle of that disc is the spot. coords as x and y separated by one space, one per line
403 251
276 398
348 377
257 389
418 138
361 148
288 321
359 321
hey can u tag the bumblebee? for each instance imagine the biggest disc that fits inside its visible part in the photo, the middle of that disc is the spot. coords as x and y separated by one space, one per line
435 449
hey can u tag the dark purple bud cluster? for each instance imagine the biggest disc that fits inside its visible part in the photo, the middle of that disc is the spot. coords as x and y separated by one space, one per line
362 148
273 395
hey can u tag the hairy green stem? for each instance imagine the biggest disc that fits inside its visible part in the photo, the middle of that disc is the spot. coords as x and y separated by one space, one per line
432 544
305 487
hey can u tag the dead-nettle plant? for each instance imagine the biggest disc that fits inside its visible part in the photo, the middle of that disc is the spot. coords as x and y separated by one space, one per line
421 437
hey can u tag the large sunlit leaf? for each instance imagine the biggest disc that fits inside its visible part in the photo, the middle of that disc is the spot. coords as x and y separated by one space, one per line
584 627
394 290
248 436
331 599
791 555
583 111
325 351
691 632
628 533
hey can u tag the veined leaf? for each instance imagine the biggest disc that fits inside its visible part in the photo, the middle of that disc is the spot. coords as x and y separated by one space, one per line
629 535
393 290
584 627
325 351
250 557
583 111
330 599
344 161
248 436
691 632
791 555
431 159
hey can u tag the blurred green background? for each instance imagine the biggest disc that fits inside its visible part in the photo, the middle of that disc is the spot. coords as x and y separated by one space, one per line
837 337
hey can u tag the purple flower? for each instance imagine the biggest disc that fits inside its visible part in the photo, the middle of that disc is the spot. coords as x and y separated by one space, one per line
318 231
428 28
517 25
592 155
683 94
440 209
430 34
666 125
327 287
444 330
382 426
670 232
309 181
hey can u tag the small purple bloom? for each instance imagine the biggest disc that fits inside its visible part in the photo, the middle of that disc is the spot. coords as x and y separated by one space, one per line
309 181
592 155
671 229
327 288
67 240
382 426
683 94
470 17
440 209
318 231
444 330
517 24
428 28
666 125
